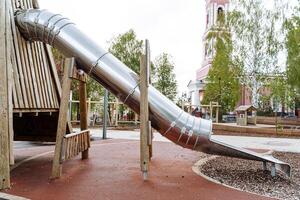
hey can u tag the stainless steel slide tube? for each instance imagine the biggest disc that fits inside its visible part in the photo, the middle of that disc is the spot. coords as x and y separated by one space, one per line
166 117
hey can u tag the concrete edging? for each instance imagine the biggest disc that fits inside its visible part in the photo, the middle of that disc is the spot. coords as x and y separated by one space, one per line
203 161
11 197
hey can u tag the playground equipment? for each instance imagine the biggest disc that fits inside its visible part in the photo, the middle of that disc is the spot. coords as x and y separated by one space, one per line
96 111
246 114
167 118
211 108
175 124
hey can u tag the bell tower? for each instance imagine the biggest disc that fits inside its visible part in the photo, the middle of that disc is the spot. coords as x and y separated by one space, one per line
214 10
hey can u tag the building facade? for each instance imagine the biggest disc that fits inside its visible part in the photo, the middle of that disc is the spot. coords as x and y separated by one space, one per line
214 9
196 88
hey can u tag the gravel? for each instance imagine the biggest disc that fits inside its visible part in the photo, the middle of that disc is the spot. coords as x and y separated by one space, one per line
249 176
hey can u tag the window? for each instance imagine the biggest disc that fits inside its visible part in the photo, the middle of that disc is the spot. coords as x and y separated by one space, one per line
207 19
220 14
206 50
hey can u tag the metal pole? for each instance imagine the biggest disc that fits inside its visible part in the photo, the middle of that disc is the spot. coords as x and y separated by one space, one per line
105 114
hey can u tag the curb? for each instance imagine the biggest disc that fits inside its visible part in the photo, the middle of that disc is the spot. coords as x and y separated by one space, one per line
5 196
196 169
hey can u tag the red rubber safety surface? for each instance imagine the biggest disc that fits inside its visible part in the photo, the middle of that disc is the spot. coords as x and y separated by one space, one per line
112 172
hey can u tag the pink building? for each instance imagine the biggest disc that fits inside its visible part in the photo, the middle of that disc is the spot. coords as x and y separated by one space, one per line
213 9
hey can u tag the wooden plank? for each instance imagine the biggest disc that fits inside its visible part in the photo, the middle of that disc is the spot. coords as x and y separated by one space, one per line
68 149
40 75
4 116
40 110
35 75
27 74
53 92
35 4
10 82
53 97
23 72
62 119
19 78
28 65
43 71
14 73
76 134
32 70
49 83
83 113
53 68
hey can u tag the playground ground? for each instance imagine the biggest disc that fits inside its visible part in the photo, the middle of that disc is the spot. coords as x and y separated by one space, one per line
112 172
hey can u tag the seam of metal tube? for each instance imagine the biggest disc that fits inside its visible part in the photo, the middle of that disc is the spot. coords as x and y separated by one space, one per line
131 92
173 124
47 24
96 63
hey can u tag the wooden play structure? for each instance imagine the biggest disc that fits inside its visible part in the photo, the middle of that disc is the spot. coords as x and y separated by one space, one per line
32 100
207 111
34 106
95 110
246 115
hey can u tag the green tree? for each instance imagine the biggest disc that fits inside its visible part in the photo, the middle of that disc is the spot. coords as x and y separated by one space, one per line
128 49
282 92
165 79
222 84
293 50
94 89
257 41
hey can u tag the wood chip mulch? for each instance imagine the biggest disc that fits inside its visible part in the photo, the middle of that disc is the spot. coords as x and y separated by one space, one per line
249 176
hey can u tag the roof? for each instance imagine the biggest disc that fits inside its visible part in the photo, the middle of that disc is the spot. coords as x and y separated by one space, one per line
245 108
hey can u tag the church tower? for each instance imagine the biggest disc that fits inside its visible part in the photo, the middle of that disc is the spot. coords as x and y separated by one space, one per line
214 10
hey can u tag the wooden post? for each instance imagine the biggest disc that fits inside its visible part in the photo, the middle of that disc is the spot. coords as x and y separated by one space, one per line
150 140
144 113
4 115
211 110
62 118
117 112
10 65
89 109
217 113
135 118
105 114
83 112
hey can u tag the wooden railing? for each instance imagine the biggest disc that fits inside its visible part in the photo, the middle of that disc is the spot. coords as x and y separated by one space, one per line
74 144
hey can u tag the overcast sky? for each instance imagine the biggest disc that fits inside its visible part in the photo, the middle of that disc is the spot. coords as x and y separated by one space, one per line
172 26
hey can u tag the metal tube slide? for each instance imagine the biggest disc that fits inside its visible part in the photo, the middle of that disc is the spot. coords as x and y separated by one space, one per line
167 118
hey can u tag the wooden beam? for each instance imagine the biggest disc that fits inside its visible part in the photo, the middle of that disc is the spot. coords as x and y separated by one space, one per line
144 113
4 115
62 118
10 81
35 4
79 75
83 113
